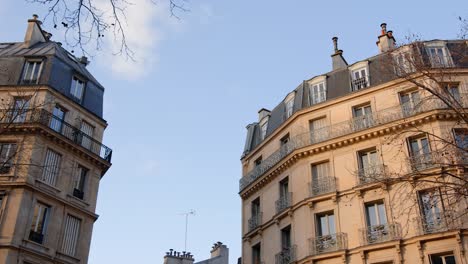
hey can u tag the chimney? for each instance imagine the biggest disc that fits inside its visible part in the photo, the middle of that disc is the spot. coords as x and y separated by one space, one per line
262 113
220 250
338 62
174 257
386 40
34 33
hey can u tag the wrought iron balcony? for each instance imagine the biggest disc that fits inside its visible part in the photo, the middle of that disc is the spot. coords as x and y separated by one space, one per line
328 243
255 221
421 162
380 233
322 186
371 174
286 256
11 118
434 223
344 128
283 202
360 83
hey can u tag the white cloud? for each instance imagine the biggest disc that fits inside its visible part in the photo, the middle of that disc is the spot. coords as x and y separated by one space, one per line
145 26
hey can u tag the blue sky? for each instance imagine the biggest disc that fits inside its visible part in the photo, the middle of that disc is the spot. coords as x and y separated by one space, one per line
177 116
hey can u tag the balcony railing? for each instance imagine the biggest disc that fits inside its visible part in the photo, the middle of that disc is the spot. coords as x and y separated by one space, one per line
371 174
340 129
328 243
255 221
283 202
42 117
433 224
380 233
424 161
286 256
360 83
322 186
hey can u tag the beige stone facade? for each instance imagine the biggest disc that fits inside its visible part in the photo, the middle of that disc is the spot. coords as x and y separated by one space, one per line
318 188
51 164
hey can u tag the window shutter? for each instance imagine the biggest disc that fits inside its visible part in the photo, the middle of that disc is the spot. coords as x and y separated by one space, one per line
70 237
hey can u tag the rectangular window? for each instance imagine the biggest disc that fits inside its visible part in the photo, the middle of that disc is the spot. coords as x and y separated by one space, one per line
369 166
263 131
431 210
284 146
453 91
51 167
80 181
20 109
289 107
257 254
39 223
286 238
375 214
322 180
57 119
77 88
255 207
71 235
317 93
32 71
326 224
363 117
447 258
7 153
284 200
439 56
318 130
461 138
420 153
88 132
410 102
258 161
256 215
359 79
403 63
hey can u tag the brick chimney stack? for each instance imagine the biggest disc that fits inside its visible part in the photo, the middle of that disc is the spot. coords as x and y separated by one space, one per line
221 250
386 40
34 33
338 62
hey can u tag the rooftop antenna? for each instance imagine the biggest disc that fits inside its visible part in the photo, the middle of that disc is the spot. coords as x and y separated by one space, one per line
191 212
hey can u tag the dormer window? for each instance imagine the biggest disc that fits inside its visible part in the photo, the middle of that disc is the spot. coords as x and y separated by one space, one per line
289 103
403 61
32 71
438 55
263 128
77 88
318 93
360 79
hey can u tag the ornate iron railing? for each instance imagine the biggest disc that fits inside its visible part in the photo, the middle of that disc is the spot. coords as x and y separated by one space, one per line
371 174
418 162
255 221
322 186
42 117
286 256
432 224
283 202
344 128
360 83
328 243
380 233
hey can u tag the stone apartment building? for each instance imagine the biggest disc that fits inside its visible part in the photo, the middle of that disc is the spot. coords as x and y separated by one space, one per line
52 158
360 164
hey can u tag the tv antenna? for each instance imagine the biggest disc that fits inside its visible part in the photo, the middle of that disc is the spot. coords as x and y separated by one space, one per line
191 212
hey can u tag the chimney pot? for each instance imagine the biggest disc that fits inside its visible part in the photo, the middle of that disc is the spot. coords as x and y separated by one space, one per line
35 16
384 28
335 44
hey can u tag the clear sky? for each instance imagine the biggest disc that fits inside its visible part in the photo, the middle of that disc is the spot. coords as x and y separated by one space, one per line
177 116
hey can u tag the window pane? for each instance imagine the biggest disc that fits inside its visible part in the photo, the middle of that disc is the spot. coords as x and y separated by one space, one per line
331 224
371 216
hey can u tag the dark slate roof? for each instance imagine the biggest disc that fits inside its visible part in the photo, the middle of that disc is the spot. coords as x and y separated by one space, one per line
338 83
58 70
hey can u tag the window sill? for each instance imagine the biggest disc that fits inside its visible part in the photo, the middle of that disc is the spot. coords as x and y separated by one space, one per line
47 187
35 246
77 200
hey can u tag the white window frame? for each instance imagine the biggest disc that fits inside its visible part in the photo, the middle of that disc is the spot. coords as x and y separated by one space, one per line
29 79
263 127
317 90
358 68
289 104
76 92
446 60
